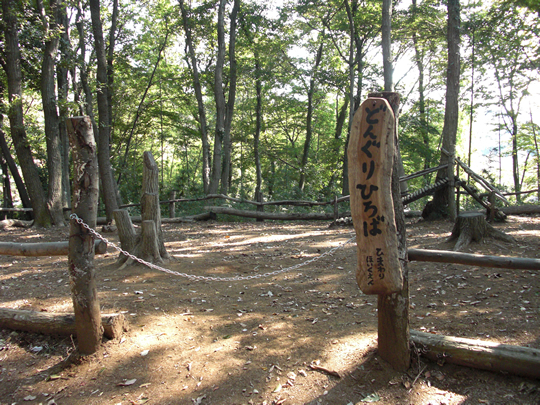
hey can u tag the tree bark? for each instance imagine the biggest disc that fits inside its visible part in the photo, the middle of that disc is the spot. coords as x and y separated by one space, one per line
472 226
57 324
104 127
50 112
443 202
21 188
199 96
386 29
309 118
231 97
18 132
63 87
81 241
149 245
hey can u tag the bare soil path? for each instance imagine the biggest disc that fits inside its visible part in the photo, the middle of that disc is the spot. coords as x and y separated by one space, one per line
306 336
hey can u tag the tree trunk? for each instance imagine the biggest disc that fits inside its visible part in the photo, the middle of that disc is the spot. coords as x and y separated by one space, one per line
21 188
443 202
199 96
386 29
419 59
50 112
81 241
57 324
149 245
18 132
231 97
104 156
63 86
219 98
309 118
89 98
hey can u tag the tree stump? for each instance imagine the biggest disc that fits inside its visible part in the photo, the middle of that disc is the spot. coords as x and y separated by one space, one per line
149 244
472 226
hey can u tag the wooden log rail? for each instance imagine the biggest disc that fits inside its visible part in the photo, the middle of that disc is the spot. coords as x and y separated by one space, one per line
444 256
44 248
518 360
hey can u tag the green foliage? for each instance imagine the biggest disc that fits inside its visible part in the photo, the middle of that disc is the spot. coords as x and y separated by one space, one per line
155 108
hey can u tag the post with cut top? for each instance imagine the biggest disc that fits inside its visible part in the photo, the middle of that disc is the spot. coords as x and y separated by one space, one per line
378 219
88 325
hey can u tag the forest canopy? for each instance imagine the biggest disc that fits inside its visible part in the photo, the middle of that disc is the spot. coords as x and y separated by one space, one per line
254 99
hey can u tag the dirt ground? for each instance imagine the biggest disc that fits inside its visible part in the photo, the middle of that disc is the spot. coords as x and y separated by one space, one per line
254 341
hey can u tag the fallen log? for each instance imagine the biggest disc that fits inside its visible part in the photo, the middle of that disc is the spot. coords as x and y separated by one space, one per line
275 216
44 248
205 216
57 324
518 360
445 256
521 209
6 223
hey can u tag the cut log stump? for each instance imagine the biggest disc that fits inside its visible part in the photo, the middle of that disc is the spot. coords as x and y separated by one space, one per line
472 226
57 324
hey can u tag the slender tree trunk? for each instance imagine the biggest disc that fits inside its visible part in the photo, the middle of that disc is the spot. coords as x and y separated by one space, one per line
89 98
443 202
110 58
192 60
309 119
537 151
21 188
227 145
258 126
351 9
104 156
219 97
7 200
419 59
18 132
63 85
515 159
387 45
50 112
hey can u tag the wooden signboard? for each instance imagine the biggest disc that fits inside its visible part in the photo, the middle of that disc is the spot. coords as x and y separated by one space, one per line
371 159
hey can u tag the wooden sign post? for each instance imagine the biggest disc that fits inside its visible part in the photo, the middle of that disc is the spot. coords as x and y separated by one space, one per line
371 160
379 222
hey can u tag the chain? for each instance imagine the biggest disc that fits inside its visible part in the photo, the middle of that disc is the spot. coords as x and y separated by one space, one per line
207 278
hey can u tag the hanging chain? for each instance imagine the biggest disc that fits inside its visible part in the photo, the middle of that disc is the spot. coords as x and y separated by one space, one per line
207 278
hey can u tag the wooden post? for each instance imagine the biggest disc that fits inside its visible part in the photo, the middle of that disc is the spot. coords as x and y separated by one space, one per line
172 205
393 309
150 208
260 207
81 242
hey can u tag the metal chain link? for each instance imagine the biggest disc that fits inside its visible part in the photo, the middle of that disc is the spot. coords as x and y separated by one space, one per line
206 278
